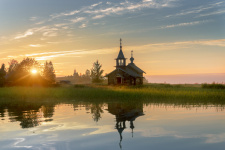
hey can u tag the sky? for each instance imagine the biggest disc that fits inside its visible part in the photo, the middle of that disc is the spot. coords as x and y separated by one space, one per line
169 37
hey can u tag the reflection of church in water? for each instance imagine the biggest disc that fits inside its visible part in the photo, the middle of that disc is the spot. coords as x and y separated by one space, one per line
123 113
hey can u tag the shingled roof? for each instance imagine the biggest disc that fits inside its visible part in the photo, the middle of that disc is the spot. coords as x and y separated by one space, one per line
134 67
128 71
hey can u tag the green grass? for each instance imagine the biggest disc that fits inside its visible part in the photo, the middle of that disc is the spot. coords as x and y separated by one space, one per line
151 93
213 86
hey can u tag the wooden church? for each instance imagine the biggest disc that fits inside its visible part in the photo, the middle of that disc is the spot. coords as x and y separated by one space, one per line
125 74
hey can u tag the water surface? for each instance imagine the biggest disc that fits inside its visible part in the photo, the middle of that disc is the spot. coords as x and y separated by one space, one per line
111 126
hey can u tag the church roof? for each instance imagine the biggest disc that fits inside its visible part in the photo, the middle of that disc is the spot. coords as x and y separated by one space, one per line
134 67
131 72
120 55
128 71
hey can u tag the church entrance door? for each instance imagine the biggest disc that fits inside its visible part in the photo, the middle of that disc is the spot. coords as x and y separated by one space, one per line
119 80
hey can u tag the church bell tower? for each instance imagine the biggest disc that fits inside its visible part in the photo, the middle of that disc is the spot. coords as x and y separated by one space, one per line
120 60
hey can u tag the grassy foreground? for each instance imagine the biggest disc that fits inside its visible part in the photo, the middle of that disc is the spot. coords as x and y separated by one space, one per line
151 93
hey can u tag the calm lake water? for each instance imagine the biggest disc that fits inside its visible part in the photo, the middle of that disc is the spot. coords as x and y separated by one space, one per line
111 126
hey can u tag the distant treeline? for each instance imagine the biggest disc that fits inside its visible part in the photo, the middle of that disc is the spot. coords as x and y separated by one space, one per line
76 78
94 75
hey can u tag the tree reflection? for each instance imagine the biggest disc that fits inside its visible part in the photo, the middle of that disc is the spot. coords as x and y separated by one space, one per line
28 114
96 110
48 110
30 119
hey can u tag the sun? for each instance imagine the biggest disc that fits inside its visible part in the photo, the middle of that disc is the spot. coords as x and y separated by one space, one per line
34 71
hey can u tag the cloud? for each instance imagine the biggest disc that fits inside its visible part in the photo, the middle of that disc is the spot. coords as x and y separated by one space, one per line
27 33
153 47
40 22
60 25
154 28
125 7
86 14
212 13
49 34
56 54
94 5
215 138
98 16
78 19
20 140
33 18
44 31
156 47
83 26
219 42
53 16
35 45
115 8
71 13
198 10
184 24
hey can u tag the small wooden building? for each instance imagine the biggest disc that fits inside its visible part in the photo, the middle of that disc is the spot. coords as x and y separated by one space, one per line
125 74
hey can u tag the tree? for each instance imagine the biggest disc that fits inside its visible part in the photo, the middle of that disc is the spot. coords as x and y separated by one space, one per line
28 64
12 66
87 77
2 75
20 73
49 72
96 73
87 73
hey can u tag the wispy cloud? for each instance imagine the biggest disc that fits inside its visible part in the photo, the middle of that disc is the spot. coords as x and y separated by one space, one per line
212 13
215 138
83 26
44 31
98 16
40 22
72 53
78 19
56 54
198 10
53 16
33 18
129 6
27 33
112 8
184 24
74 12
156 47
86 14
219 42
35 45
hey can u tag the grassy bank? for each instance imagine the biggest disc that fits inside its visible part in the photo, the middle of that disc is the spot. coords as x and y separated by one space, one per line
152 93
